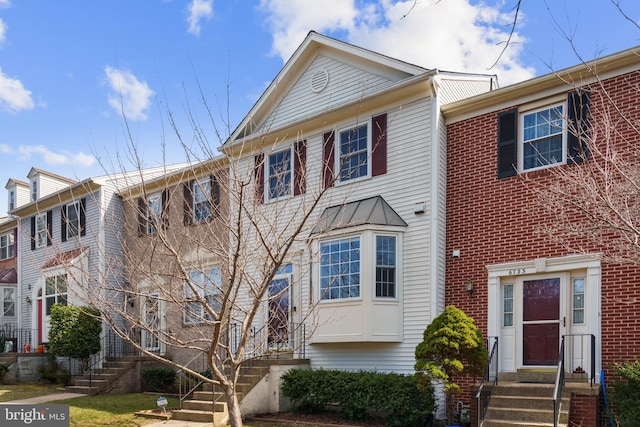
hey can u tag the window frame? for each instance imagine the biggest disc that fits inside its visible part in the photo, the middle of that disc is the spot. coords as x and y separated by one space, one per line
153 217
212 274
11 205
377 266
206 199
323 294
521 136
367 266
41 233
53 283
338 163
12 303
69 229
34 190
574 308
7 248
268 195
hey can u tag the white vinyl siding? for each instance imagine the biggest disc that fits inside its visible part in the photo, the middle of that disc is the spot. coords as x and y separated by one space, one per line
410 125
301 101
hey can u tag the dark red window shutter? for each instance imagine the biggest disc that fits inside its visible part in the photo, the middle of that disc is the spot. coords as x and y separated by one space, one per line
187 204
215 196
379 145
578 104
258 174
63 223
83 216
165 209
142 215
328 158
49 226
300 168
33 233
15 242
507 143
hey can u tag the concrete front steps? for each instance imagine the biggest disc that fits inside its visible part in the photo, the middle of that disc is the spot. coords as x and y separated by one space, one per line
102 378
525 399
210 405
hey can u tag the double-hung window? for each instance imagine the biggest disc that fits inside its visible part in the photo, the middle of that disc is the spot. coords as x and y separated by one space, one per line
202 200
6 246
543 137
202 291
385 266
34 190
540 137
9 301
154 212
279 174
12 200
72 219
353 149
41 230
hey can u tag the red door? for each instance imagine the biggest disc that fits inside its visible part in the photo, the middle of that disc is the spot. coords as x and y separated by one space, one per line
541 321
40 326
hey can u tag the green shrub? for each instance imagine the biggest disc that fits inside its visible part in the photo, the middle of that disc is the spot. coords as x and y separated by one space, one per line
360 395
625 397
75 332
54 372
4 368
159 379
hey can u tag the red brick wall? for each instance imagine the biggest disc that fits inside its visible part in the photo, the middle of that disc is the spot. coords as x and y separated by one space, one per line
584 411
493 220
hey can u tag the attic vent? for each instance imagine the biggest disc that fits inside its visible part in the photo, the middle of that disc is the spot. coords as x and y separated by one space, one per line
319 81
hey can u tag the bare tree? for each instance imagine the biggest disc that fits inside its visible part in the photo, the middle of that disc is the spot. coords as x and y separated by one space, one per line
594 203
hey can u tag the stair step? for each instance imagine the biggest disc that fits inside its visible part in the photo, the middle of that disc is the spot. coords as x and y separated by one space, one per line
526 402
204 405
525 415
491 423
192 415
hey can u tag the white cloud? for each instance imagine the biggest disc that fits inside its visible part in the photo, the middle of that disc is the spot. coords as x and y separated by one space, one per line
197 11
5 3
52 158
6 149
291 20
3 32
450 35
13 96
131 97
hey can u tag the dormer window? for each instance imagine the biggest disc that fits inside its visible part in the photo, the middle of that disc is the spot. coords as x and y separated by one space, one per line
34 190
12 200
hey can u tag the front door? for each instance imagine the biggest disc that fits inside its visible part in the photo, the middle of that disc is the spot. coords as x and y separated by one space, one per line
278 311
151 318
540 321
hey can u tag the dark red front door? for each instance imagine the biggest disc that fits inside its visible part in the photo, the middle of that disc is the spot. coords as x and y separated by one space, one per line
541 321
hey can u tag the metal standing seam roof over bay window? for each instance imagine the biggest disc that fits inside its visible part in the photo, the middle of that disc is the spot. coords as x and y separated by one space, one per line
371 211
8 275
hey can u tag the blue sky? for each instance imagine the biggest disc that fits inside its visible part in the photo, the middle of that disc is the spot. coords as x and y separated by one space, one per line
70 69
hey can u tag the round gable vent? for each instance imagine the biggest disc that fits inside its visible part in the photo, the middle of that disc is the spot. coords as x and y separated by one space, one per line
319 81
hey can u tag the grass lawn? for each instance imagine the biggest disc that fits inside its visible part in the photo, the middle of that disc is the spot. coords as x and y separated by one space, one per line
25 391
113 410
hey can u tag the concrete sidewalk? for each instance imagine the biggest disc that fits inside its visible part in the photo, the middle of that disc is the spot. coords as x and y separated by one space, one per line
46 398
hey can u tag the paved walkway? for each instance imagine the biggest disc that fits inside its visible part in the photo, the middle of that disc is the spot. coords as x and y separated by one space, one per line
46 398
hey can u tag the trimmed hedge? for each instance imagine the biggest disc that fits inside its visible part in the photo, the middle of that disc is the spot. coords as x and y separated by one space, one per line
360 395
159 379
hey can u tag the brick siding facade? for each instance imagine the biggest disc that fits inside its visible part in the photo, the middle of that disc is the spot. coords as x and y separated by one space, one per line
492 221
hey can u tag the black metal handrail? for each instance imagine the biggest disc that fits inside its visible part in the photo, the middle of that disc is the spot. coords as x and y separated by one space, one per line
485 390
114 348
577 351
558 389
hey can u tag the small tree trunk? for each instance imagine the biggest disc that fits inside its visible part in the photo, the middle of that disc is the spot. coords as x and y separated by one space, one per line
233 406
